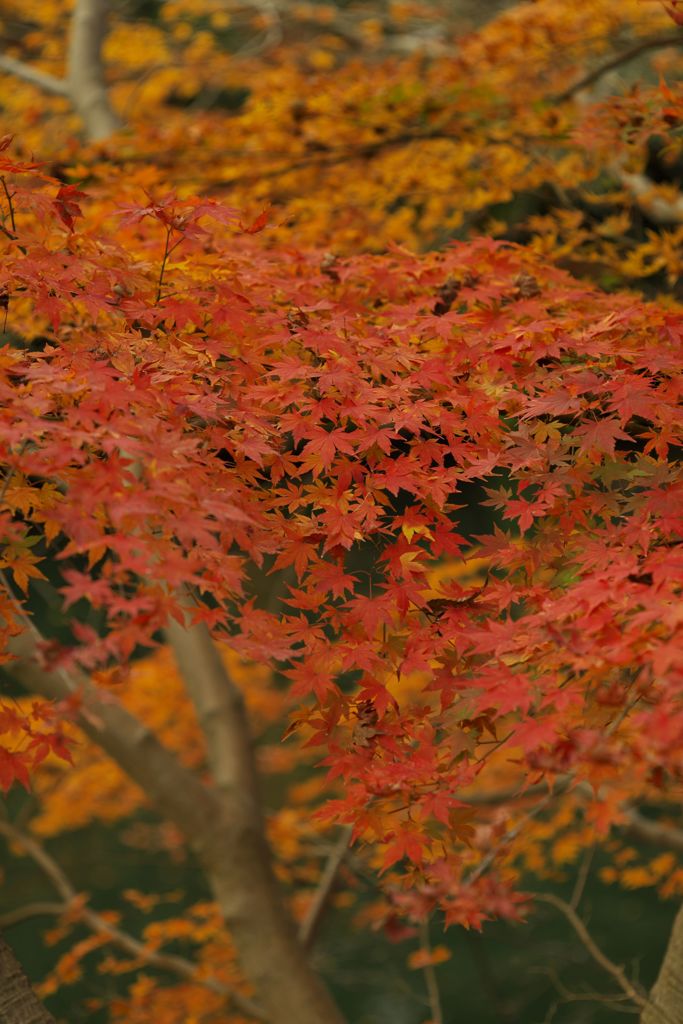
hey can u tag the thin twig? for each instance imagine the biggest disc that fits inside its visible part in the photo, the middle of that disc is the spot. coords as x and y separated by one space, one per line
430 976
11 235
582 877
651 43
334 158
568 996
321 897
586 938
163 264
30 910
511 834
10 205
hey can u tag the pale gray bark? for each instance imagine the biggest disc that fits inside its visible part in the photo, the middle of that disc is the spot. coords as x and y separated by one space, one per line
85 77
18 1002
222 823
244 884
84 84
48 83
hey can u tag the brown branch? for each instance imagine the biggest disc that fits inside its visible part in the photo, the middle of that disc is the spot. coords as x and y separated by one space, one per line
511 834
222 823
658 42
100 926
654 832
589 943
335 158
431 983
84 84
516 793
581 997
582 877
177 793
321 897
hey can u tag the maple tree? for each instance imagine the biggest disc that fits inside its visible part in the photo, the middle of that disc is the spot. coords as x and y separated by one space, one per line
421 514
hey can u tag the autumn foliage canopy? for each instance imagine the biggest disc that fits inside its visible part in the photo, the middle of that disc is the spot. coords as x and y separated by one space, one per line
428 505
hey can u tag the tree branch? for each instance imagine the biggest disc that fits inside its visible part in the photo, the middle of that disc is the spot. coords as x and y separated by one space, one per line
222 825
84 84
431 983
508 836
587 940
100 926
656 833
221 713
321 897
243 879
175 791
29 910
658 42
48 83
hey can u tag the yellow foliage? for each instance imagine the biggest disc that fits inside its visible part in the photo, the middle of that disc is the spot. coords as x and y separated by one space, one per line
428 957
566 849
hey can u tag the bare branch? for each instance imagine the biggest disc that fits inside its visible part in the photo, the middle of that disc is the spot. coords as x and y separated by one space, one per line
655 832
29 910
84 84
658 42
100 926
612 1000
587 940
511 834
433 994
514 794
48 83
321 897
582 877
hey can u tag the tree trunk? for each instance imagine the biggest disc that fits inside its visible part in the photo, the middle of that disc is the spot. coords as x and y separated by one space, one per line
666 997
222 823
18 1002
86 84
